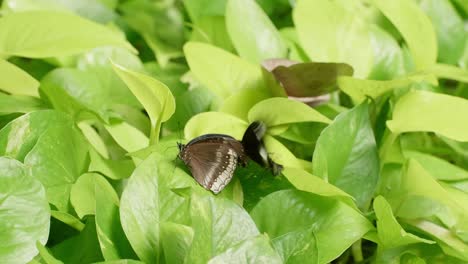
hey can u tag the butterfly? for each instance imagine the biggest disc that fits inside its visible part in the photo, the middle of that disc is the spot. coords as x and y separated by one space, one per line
212 159
255 148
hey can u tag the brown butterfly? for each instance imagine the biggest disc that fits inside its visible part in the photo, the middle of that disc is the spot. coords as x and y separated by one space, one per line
212 159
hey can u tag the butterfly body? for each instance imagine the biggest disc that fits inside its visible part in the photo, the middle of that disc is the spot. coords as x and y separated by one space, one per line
212 159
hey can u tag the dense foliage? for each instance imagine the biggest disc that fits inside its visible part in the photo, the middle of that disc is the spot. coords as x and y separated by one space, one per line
95 94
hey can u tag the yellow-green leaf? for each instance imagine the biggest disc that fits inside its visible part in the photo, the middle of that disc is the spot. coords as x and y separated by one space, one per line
279 111
16 81
222 72
42 34
431 112
415 27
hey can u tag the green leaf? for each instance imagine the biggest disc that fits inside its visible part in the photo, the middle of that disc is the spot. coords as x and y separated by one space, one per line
93 10
279 111
15 144
346 155
155 97
68 219
127 136
431 112
198 9
41 34
82 194
134 116
93 88
19 104
120 261
252 250
52 147
296 52
304 133
463 5
147 201
336 225
46 255
388 55
459 196
36 68
391 234
112 239
221 71
114 169
241 102
307 182
297 246
141 226
16 81
83 91
212 30
176 241
280 154
60 168
332 32
161 26
99 58
189 104
415 254
94 139
260 40
330 110
257 182
215 122
415 27
451 72
359 89
451 36
438 168
24 213
218 224
449 243
54 91
173 75
429 202
82 248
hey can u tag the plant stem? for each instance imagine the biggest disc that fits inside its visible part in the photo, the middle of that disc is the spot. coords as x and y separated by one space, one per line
154 133
357 251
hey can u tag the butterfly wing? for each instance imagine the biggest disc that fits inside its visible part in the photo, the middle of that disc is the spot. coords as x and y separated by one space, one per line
213 161
252 142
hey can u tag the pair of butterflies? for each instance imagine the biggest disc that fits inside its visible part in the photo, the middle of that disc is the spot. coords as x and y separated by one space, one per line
213 158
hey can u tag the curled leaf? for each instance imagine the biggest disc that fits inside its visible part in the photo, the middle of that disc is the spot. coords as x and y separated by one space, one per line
309 78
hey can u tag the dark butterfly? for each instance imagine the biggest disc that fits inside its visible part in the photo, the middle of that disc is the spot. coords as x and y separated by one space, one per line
212 159
255 149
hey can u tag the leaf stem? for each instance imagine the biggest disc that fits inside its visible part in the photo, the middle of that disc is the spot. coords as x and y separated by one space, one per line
389 140
154 133
357 251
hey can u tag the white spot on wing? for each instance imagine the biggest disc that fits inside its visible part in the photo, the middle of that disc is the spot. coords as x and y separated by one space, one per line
225 176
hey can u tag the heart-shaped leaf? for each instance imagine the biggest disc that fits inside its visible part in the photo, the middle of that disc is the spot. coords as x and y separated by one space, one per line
41 34
155 97
24 213
432 112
